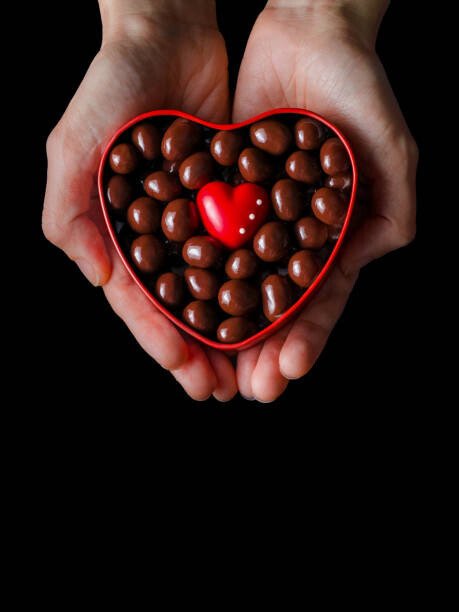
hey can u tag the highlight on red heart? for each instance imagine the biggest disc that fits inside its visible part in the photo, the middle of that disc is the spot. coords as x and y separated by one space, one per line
228 229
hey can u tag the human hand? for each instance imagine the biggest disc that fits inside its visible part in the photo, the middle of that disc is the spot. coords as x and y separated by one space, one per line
319 55
153 55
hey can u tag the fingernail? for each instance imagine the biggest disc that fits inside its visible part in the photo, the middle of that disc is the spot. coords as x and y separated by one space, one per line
246 397
88 271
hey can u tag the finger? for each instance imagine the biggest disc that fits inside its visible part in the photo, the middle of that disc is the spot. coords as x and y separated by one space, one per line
246 362
197 375
152 330
267 381
311 330
226 387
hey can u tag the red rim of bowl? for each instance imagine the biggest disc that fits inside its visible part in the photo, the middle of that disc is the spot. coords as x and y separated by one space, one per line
310 291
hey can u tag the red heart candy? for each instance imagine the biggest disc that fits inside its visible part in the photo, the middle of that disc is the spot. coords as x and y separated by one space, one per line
232 215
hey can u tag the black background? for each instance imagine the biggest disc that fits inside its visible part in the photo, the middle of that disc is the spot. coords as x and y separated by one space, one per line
368 373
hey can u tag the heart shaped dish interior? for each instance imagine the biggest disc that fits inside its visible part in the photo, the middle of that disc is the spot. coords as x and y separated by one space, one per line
228 229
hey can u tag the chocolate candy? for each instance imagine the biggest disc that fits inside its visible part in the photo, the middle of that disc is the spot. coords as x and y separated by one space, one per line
225 147
180 220
180 139
169 289
254 165
276 295
235 329
201 316
333 157
303 166
288 200
311 233
123 158
201 251
271 136
196 170
202 284
303 268
147 139
144 215
119 192
238 298
241 264
148 253
162 186
151 181
329 206
271 242
309 134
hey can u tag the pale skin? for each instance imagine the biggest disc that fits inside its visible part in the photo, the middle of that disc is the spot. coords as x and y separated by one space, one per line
314 54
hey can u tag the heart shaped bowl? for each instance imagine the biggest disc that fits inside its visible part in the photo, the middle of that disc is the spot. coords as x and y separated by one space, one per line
308 293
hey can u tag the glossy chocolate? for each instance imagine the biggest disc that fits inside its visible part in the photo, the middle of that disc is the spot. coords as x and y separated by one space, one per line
119 192
288 199
271 136
196 170
201 316
148 253
180 220
238 298
241 264
181 138
169 289
303 166
271 242
311 233
172 167
342 181
225 147
333 157
329 206
276 296
201 252
235 329
254 165
303 267
147 139
124 158
309 134
202 284
162 186
144 215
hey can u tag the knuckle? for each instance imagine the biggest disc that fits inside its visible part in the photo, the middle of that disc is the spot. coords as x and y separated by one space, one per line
53 140
50 230
405 234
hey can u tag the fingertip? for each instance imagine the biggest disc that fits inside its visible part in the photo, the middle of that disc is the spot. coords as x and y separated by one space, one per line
268 393
301 349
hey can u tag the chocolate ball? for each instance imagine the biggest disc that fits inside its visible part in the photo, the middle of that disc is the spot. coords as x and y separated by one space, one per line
303 268
271 136
181 138
148 253
342 181
172 167
276 296
238 297
123 158
119 192
333 233
288 200
304 167
201 251
329 206
271 242
235 329
196 170
202 284
144 215
147 139
201 316
333 157
241 264
254 165
162 186
309 134
169 289
180 220
311 233
225 147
